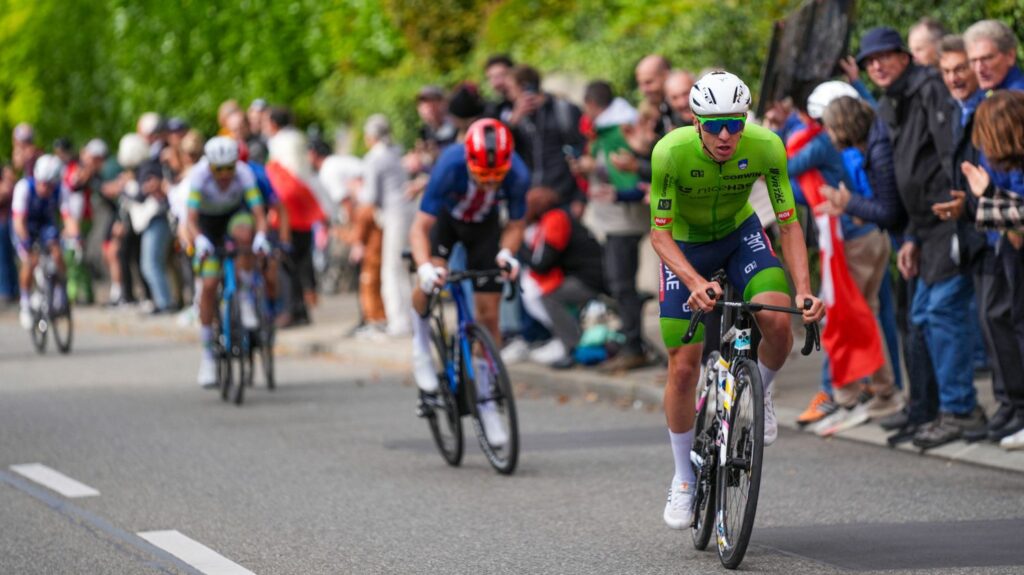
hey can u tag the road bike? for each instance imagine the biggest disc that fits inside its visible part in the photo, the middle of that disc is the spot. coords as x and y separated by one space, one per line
465 386
728 442
50 306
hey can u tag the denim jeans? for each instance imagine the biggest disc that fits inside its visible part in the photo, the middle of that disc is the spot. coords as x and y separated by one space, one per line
941 311
155 242
8 273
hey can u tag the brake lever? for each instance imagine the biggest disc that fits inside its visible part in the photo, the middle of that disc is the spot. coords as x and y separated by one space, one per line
695 320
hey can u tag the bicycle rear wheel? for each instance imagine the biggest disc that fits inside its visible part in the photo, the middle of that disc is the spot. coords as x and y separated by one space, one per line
704 455
444 418
491 390
739 480
60 322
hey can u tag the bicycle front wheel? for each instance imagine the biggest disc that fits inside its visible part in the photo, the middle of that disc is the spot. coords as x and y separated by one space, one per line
739 478
443 416
60 323
704 455
40 325
490 399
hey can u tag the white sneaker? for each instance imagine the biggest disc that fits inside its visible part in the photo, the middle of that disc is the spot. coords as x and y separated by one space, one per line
1011 442
548 353
207 372
494 428
423 371
247 309
679 507
843 419
516 351
25 317
771 424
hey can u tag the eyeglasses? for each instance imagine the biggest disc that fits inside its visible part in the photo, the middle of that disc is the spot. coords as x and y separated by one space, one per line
223 169
734 124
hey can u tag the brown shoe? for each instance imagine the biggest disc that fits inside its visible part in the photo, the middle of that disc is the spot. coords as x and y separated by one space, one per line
623 362
880 407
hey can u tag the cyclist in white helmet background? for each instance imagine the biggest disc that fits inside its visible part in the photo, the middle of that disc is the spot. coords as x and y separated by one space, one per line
38 200
224 203
702 221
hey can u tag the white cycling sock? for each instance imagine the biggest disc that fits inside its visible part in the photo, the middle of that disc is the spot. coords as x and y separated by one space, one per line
682 443
767 375
421 335
483 382
206 339
115 291
25 301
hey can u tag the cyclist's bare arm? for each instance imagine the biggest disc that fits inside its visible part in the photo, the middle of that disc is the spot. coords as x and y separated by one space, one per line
512 236
192 224
668 250
419 237
259 216
794 250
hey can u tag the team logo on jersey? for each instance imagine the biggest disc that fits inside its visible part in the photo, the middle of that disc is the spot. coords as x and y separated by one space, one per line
784 215
664 204
662 221
696 173
743 164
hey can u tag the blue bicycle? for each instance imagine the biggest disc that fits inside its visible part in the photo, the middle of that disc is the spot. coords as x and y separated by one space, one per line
471 379
235 346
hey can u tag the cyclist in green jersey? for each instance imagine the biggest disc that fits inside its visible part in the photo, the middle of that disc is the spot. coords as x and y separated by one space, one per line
702 221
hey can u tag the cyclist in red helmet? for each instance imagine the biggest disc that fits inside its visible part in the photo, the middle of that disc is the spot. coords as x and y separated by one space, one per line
468 185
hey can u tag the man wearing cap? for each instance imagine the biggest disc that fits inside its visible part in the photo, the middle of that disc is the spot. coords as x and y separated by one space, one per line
24 148
257 141
914 108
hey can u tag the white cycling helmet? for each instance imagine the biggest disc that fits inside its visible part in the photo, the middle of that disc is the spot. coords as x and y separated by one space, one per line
823 95
132 150
47 169
221 151
719 93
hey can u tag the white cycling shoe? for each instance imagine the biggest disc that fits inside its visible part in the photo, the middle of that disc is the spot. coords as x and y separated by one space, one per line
207 377
423 371
25 318
494 428
679 507
771 424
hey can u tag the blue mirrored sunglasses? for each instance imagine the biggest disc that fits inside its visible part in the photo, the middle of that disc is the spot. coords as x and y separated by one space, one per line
714 125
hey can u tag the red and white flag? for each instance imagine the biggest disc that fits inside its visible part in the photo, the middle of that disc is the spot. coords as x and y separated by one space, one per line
850 335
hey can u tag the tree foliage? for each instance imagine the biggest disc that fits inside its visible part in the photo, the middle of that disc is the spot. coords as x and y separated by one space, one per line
90 68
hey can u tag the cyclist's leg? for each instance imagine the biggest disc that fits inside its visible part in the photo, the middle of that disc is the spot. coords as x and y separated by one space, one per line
442 238
755 271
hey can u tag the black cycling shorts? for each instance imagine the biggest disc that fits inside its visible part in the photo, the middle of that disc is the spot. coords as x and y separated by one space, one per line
482 241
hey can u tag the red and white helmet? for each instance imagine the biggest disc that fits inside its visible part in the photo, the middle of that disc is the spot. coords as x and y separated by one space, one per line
489 147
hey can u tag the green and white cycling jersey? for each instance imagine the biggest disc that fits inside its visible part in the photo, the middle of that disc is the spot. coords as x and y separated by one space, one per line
701 200
206 197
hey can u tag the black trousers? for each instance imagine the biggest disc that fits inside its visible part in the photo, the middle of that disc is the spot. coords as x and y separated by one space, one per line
1002 304
621 261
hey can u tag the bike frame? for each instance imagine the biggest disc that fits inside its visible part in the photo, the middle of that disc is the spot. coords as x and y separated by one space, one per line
465 319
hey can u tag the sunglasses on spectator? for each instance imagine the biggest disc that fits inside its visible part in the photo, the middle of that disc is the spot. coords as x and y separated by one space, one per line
734 124
223 169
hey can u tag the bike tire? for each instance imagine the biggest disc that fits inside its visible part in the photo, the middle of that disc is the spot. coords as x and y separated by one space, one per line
705 433
40 325
239 351
739 486
503 458
225 371
444 418
61 324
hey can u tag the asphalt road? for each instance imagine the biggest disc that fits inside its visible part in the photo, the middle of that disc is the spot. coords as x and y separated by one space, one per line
332 473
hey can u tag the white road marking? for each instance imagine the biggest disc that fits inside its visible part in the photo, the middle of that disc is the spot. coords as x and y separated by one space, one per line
55 480
194 553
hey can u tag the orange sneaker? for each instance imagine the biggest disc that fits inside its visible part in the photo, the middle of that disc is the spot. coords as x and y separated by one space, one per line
821 405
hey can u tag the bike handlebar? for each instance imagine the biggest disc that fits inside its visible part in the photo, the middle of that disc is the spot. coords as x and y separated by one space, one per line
812 337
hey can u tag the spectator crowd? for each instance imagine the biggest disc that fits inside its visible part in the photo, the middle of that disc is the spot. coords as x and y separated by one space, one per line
925 175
